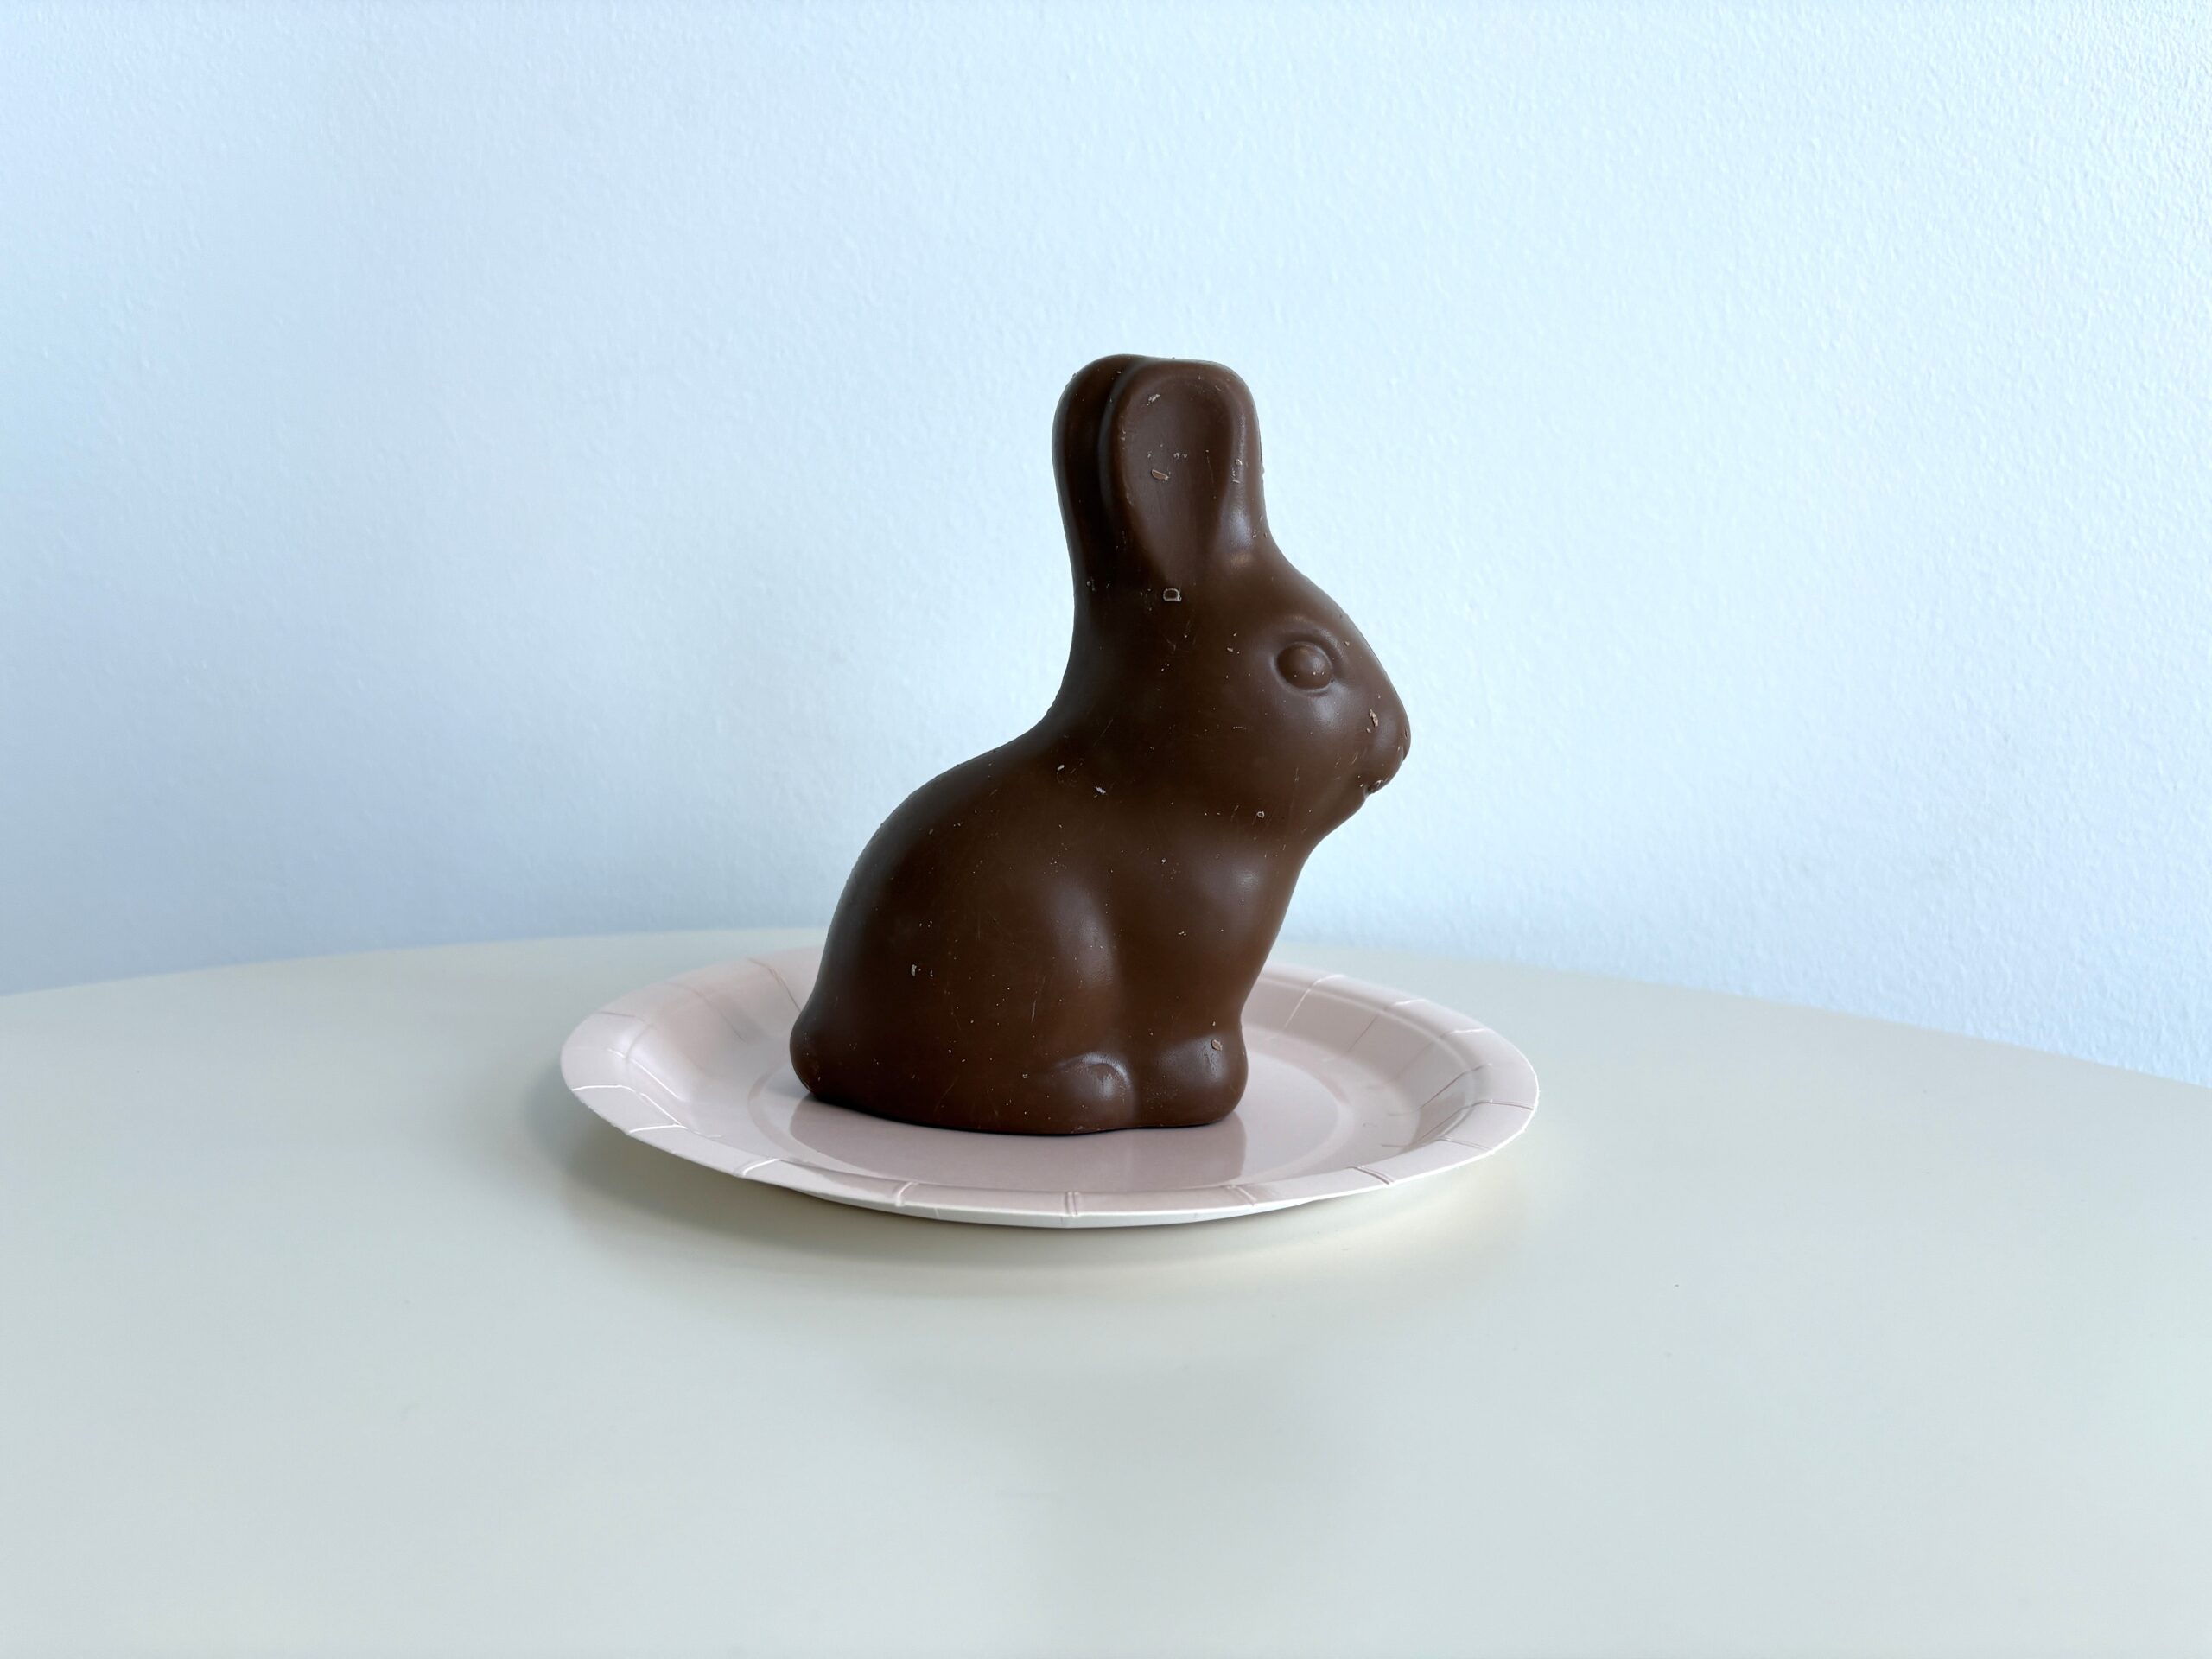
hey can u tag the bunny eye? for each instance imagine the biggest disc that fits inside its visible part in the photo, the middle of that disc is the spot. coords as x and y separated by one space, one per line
1307 666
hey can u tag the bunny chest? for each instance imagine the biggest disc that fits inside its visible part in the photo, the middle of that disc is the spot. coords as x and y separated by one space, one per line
1195 910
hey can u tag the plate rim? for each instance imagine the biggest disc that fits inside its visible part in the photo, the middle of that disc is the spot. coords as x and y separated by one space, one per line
588 1061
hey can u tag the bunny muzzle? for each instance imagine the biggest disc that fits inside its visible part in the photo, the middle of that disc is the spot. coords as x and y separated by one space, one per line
1389 736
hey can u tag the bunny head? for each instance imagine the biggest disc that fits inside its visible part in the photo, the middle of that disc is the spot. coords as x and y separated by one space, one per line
1203 663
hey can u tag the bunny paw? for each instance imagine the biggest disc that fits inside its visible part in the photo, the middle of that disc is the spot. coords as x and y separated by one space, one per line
1199 1080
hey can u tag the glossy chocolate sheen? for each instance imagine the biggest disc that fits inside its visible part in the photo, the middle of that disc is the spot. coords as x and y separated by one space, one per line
1057 937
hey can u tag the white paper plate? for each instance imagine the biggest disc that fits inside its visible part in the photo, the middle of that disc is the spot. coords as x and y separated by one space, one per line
1354 1088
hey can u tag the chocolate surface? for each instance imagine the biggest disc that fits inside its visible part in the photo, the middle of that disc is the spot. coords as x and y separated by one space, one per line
1057 937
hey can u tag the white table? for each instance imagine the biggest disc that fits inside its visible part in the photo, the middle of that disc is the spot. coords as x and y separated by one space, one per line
330 1322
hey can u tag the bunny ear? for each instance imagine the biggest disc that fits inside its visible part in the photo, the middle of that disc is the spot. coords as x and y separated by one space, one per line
1181 458
1159 466
1077 458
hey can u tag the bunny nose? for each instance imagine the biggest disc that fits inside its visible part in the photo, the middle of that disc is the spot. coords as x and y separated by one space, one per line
1386 747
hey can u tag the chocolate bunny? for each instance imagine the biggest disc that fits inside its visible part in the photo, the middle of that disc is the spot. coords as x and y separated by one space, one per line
1057 937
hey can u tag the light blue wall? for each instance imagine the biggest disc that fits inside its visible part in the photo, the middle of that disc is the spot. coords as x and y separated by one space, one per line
470 471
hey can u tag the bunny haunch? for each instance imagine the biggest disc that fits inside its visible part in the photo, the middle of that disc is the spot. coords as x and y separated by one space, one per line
1058 937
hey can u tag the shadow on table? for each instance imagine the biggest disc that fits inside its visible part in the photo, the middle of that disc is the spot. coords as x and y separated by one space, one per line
616 1183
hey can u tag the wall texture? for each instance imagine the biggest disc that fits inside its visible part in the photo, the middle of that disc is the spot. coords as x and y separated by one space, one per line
473 471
